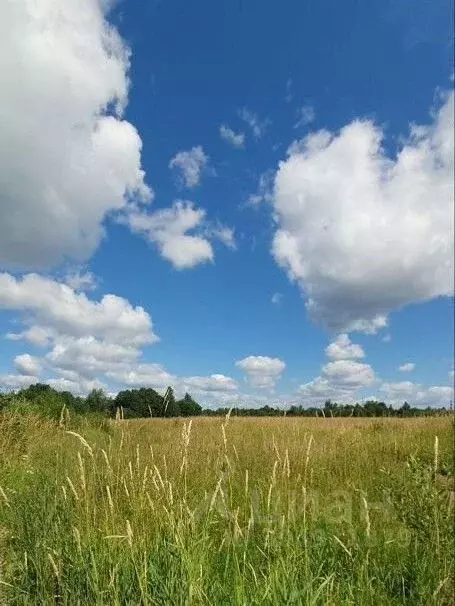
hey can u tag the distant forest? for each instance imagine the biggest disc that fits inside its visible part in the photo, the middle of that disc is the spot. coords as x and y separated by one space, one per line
146 402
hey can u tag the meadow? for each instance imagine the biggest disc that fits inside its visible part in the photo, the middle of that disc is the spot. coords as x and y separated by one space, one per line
226 511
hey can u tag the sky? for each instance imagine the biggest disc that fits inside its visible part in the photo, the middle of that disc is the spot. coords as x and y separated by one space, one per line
251 201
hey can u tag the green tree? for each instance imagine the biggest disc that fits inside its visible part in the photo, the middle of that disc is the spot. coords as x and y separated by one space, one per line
372 408
170 406
405 410
96 401
330 408
74 403
188 406
144 402
39 399
36 391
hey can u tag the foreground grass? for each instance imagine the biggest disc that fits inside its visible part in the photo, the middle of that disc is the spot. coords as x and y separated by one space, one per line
227 511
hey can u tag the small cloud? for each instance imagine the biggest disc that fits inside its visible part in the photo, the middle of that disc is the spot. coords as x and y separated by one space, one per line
235 139
305 115
408 367
37 335
289 96
80 280
191 164
27 365
261 371
179 232
254 199
257 126
343 349
387 338
277 297
265 189
224 235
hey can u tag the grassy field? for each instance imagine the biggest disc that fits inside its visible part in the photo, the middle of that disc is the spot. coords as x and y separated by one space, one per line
226 511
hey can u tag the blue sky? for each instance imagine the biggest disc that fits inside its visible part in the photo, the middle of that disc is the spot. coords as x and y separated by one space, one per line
252 202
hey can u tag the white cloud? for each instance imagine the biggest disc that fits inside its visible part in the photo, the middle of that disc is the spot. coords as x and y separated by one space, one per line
408 367
342 377
190 163
55 308
212 383
143 375
264 191
168 227
37 335
88 343
64 163
305 115
416 394
398 389
90 357
239 399
343 349
387 338
339 380
16 381
277 298
156 376
261 371
289 96
80 280
348 374
235 139
257 126
363 233
27 365
79 387
436 395
223 234
321 389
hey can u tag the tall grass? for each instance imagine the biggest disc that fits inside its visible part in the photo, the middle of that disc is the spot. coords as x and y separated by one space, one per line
230 512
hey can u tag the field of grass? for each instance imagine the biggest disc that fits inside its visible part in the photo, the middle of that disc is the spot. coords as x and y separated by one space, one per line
238 511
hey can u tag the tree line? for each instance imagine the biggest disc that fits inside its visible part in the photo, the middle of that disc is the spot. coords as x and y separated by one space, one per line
147 402
371 408
129 403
